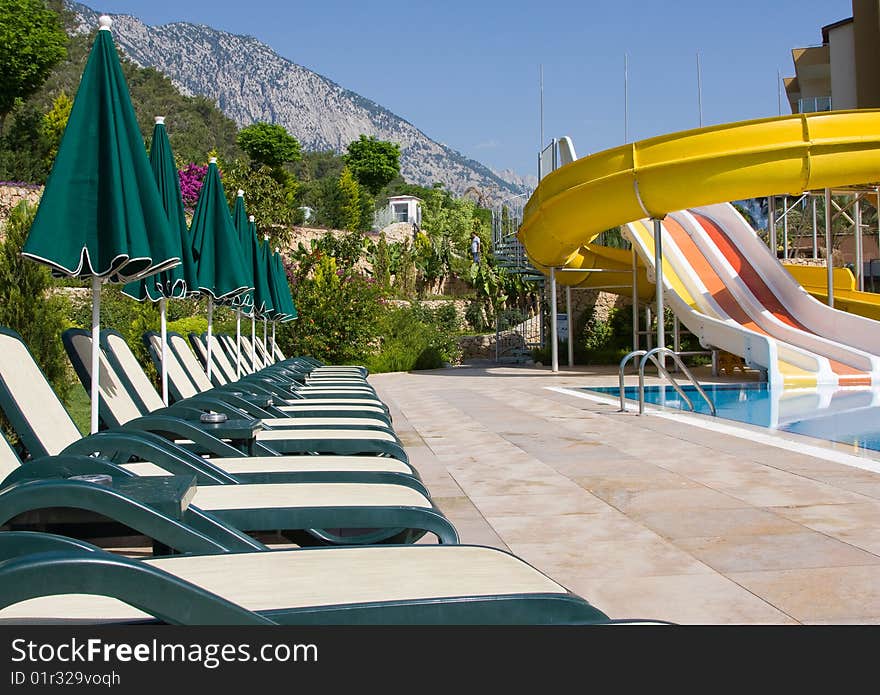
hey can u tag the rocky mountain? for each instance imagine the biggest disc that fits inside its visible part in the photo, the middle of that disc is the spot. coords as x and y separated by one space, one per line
250 82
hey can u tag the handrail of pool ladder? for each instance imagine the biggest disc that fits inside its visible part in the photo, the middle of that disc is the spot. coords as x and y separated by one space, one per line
663 372
660 368
651 354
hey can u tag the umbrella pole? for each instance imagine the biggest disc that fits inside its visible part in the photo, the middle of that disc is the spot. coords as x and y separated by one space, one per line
238 343
265 331
254 340
96 350
272 354
210 322
163 329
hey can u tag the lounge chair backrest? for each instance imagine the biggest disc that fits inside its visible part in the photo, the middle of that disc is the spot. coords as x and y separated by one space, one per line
262 353
189 363
200 347
278 354
246 344
133 371
246 355
8 459
117 405
178 374
231 349
29 403
221 360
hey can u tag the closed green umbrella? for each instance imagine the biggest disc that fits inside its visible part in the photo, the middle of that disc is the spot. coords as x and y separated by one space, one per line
287 309
181 279
271 307
242 226
101 216
220 273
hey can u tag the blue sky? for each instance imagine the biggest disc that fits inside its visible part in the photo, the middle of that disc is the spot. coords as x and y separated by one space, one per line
467 73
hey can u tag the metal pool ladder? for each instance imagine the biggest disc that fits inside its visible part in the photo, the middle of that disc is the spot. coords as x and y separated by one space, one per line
651 355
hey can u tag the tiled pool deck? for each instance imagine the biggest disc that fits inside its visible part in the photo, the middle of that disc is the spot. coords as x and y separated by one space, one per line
651 516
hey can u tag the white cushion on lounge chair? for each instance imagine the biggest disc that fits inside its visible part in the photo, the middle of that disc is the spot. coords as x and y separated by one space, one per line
317 577
290 435
280 495
46 415
323 421
287 464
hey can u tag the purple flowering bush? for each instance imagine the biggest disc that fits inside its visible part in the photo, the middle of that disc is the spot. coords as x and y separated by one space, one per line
191 178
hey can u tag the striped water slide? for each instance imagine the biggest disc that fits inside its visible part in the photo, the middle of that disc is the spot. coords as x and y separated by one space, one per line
776 303
704 305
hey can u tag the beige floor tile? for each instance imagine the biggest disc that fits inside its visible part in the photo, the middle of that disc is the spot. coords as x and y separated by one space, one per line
696 523
637 503
570 529
775 552
538 505
640 557
819 595
694 599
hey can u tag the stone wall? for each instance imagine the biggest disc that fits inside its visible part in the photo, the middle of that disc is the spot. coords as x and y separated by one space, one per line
483 346
11 195
460 305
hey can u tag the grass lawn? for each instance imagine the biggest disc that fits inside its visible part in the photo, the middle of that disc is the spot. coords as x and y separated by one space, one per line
79 408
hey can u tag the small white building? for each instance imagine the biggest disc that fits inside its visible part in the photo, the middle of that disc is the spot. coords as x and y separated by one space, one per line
404 208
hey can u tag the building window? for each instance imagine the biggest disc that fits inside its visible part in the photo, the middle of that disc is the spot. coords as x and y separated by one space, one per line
814 104
401 212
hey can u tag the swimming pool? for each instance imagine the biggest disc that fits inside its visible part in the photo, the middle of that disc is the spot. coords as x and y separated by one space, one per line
838 414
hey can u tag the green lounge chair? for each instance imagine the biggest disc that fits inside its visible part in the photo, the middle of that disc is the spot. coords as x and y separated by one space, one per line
187 378
119 409
264 384
51 579
223 372
129 372
45 429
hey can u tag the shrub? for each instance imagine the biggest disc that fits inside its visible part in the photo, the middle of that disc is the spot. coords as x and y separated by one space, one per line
338 310
415 338
27 306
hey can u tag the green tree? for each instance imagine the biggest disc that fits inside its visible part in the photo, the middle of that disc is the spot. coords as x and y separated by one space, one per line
381 261
55 122
350 200
269 144
32 42
28 306
269 201
374 163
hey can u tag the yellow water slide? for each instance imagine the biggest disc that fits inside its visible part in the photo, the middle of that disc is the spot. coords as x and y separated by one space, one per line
846 297
726 286
651 178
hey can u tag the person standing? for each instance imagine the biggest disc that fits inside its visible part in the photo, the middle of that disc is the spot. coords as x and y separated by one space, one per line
475 247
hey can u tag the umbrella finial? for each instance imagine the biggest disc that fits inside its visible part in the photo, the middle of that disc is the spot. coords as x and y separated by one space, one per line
212 160
240 193
265 237
160 120
251 218
104 22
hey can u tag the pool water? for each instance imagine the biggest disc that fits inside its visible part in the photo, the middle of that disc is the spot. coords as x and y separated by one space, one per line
847 415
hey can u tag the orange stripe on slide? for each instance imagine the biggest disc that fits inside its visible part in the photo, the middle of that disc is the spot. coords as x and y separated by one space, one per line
767 298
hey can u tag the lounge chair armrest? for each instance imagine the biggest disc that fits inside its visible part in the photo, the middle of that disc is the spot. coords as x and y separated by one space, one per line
121 446
139 584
